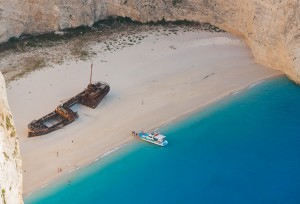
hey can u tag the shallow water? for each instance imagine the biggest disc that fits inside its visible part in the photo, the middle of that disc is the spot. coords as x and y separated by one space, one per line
243 149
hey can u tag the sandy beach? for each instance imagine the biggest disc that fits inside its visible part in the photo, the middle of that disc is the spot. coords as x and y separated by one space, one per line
161 79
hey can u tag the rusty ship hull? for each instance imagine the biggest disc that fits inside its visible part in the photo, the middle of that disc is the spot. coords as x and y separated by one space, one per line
42 127
94 94
64 115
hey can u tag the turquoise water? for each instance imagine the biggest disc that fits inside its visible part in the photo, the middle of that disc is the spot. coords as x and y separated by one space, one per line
243 149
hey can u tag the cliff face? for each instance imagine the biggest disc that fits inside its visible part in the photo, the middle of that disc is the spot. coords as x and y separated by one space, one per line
270 27
10 160
39 16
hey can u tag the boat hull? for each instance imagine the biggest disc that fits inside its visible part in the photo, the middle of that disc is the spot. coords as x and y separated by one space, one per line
93 101
63 114
39 127
164 143
39 132
154 138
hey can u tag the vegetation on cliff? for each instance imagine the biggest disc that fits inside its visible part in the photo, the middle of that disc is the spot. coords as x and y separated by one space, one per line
37 51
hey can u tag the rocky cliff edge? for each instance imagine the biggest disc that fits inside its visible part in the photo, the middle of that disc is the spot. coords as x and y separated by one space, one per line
270 27
10 159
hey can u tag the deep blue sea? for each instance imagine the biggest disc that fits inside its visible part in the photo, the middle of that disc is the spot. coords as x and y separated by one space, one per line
243 149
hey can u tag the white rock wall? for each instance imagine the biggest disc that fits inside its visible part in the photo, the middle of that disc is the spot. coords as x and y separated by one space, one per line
10 160
270 27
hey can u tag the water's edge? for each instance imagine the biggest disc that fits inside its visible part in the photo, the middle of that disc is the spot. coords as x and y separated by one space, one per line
133 145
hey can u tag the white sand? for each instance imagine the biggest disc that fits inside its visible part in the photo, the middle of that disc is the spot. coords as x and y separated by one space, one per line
153 83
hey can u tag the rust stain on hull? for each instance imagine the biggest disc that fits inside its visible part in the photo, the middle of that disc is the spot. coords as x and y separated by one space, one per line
64 115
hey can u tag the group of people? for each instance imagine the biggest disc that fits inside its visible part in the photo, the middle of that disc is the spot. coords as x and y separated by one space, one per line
133 133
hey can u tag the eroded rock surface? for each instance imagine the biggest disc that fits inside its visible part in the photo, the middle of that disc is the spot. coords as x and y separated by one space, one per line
10 160
270 27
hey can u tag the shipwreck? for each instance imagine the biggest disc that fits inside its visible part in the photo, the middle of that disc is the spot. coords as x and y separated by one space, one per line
63 114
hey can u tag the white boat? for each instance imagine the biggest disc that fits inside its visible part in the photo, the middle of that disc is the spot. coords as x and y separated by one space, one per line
154 137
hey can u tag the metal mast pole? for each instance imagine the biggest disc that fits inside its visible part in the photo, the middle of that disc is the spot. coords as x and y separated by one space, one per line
91 73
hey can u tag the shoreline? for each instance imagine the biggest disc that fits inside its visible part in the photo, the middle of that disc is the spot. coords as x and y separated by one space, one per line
174 120
161 80
54 180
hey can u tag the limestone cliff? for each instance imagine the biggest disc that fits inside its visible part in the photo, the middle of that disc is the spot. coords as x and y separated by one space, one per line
270 27
10 160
